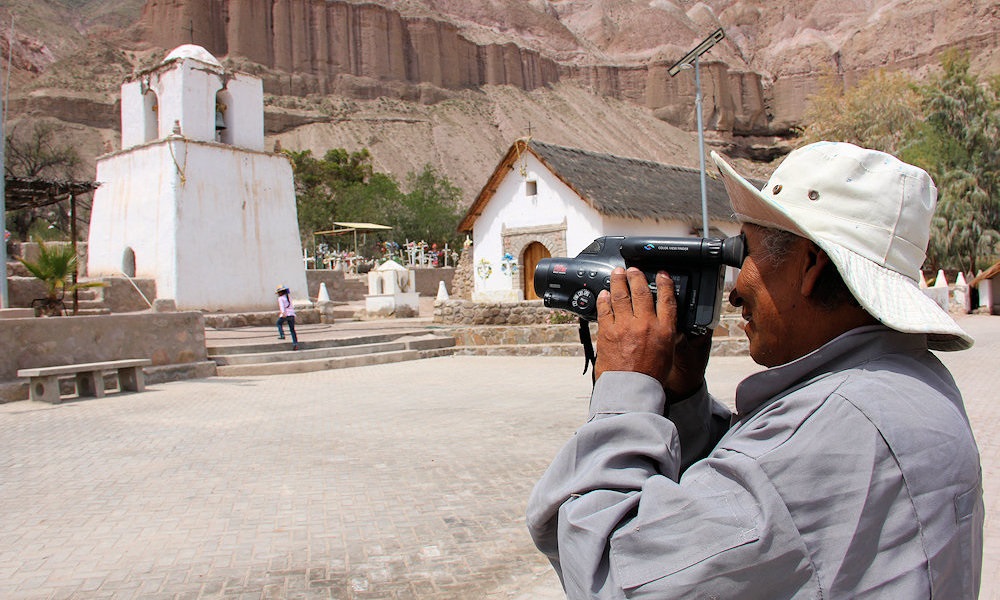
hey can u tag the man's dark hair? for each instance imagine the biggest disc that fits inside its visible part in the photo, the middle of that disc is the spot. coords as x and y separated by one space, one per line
831 292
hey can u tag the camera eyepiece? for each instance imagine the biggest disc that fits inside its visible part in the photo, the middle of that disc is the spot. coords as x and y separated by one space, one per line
734 250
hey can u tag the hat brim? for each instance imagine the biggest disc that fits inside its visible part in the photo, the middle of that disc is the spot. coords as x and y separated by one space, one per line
893 298
896 300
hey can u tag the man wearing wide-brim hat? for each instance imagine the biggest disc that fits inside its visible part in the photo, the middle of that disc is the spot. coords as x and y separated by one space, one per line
848 469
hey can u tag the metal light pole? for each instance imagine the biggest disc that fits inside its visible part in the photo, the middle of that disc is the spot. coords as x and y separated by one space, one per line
4 299
690 58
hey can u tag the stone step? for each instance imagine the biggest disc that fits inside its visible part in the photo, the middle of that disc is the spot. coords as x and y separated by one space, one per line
278 358
284 345
309 351
323 364
553 349
721 346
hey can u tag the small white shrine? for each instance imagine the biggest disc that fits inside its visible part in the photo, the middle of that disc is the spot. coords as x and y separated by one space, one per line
192 199
391 290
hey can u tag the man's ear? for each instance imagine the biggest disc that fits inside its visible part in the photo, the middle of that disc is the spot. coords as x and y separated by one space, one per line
816 260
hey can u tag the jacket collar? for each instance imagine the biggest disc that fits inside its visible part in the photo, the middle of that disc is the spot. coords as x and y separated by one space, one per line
846 351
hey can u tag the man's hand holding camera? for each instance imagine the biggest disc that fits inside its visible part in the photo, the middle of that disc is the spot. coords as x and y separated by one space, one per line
640 335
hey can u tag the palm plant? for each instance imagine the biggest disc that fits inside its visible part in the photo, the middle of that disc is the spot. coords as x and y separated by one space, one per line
55 267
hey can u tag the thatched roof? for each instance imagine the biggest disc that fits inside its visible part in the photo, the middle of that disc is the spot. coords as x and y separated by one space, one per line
25 192
616 186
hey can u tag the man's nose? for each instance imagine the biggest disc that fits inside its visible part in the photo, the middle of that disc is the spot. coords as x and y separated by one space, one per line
735 299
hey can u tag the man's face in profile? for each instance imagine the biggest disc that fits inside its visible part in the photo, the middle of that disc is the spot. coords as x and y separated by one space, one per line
769 293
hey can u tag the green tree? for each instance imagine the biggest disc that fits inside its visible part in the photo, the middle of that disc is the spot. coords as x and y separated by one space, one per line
431 208
946 125
880 112
328 189
343 186
956 143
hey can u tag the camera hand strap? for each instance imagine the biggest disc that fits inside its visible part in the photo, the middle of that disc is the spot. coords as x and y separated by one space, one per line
589 357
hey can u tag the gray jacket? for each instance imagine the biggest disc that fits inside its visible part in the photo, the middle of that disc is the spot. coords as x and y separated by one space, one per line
851 472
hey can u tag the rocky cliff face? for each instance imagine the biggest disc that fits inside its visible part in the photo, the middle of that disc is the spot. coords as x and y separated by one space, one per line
322 41
366 50
755 82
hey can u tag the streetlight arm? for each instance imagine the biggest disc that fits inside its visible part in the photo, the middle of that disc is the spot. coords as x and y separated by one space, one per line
698 50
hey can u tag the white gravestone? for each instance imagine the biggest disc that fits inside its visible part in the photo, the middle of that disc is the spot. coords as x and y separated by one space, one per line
390 289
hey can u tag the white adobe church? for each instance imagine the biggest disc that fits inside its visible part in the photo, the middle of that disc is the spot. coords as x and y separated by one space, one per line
192 199
545 200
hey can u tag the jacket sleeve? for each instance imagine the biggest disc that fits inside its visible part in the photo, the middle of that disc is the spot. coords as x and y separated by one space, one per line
614 516
701 421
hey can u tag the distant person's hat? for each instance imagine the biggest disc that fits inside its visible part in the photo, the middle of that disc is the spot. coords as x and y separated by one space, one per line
871 213
281 290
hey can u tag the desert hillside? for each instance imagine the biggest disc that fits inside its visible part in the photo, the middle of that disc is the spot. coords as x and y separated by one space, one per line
453 82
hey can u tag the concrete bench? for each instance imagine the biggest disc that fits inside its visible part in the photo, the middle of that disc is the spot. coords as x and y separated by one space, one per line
44 381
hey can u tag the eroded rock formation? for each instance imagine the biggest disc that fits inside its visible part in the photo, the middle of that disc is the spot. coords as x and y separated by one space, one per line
321 41
366 50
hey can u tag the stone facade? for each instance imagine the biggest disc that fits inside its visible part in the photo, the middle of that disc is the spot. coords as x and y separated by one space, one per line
462 282
463 312
517 239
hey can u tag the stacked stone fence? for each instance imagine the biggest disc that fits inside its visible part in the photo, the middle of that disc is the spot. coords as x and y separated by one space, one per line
530 323
531 312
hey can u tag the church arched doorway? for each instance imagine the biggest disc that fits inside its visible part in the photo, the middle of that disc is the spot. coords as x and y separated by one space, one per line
533 253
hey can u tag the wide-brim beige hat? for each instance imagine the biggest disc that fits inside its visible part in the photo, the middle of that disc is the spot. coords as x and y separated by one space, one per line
871 213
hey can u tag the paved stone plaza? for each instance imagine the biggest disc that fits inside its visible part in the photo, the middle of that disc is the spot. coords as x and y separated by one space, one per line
395 481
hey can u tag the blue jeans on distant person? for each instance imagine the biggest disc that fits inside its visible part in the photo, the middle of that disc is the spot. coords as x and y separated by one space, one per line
291 327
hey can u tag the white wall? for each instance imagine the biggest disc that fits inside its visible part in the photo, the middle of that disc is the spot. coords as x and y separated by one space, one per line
133 207
215 224
554 204
187 92
222 239
244 116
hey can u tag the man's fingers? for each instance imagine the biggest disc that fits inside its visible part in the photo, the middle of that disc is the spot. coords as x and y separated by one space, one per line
621 300
642 298
666 302
604 312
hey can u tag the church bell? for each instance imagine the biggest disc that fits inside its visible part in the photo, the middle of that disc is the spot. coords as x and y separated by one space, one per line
220 119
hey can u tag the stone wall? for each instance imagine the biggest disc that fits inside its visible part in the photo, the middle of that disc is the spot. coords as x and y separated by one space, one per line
117 294
462 284
464 312
336 285
428 280
175 342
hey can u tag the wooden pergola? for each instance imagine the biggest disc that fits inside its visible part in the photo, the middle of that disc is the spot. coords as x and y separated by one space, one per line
36 192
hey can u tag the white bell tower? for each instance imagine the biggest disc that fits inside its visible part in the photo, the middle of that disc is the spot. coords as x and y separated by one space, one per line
192 199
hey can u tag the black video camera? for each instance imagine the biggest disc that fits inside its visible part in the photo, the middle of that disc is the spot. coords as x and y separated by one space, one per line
696 266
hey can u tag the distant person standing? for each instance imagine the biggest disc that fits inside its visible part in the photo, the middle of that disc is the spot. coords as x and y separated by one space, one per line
286 315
